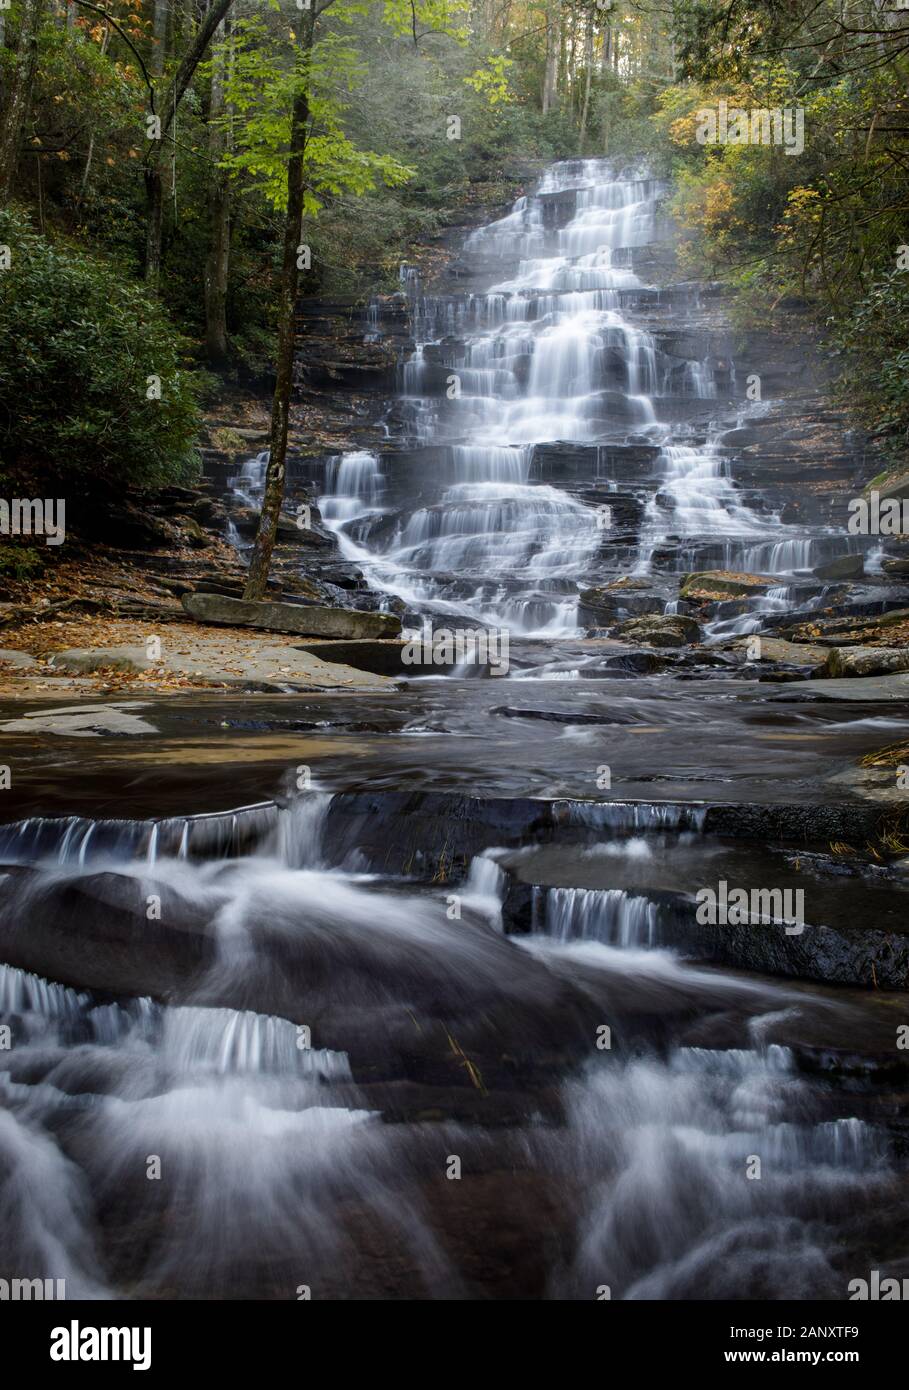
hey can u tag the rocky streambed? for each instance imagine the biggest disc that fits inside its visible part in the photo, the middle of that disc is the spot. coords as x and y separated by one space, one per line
515 972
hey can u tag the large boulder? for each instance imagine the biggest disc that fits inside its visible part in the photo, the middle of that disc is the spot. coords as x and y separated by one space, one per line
660 630
307 620
866 661
716 585
743 437
843 567
600 606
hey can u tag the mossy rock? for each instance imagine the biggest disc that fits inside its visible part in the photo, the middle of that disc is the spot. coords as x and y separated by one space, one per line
716 585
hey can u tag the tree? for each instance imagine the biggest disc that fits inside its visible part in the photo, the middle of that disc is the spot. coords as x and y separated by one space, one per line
273 495
588 73
553 42
298 167
159 49
218 262
20 91
169 103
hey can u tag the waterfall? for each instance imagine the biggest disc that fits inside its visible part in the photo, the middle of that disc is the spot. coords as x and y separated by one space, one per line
544 354
552 352
249 484
610 916
299 1013
668 1211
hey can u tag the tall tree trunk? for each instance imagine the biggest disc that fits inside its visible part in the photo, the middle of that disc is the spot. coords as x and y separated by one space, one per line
562 88
159 35
218 262
167 111
290 276
20 92
154 215
588 69
551 75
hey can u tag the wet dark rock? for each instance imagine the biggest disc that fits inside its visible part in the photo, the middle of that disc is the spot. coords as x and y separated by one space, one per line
94 932
558 716
666 630
866 957
866 661
809 951
843 567
381 657
636 663
598 607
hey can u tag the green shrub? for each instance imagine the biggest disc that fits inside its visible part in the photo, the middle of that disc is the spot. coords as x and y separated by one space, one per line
20 562
873 347
80 344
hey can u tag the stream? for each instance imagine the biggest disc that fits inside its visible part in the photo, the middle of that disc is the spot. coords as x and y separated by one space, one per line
438 1017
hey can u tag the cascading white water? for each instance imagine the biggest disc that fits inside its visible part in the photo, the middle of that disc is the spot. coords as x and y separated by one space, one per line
662 1158
249 483
269 1140
549 353
611 916
545 354
353 484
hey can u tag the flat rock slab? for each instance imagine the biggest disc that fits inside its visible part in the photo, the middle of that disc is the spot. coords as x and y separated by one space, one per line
308 620
792 653
855 688
82 721
247 665
724 584
10 657
278 668
80 660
